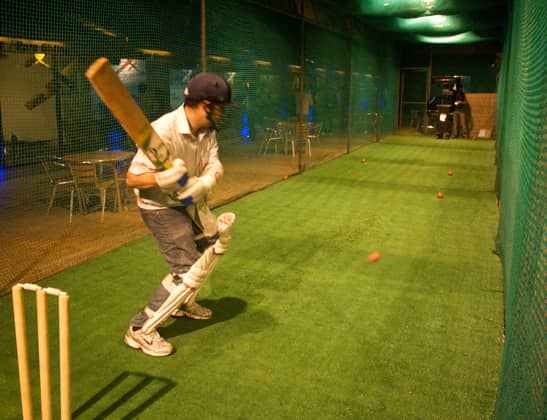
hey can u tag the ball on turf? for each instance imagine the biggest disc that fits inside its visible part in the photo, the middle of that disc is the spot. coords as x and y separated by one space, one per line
374 256
450 173
363 161
285 177
440 195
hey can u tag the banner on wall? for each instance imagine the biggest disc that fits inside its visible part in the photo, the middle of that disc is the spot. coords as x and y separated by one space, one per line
132 73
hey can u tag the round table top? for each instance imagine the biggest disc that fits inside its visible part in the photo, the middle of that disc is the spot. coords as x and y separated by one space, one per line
100 156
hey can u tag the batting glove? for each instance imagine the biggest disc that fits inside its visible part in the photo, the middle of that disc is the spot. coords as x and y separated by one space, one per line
174 178
198 188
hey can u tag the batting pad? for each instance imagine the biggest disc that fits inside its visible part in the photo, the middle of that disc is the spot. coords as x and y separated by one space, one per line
193 280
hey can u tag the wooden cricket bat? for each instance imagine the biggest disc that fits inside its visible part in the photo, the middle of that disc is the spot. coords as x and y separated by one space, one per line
117 98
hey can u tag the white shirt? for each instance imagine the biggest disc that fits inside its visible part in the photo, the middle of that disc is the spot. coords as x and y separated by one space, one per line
198 153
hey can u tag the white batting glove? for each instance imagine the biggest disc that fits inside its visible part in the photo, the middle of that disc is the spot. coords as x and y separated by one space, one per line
198 188
174 178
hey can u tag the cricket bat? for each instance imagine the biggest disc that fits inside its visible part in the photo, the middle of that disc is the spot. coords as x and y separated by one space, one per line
117 98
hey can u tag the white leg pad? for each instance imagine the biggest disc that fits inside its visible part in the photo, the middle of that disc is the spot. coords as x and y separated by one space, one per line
195 277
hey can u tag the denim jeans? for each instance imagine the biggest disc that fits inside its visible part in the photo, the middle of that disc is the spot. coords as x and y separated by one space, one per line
174 232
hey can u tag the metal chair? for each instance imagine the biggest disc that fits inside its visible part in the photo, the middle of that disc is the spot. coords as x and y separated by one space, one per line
87 182
60 177
271 135
120 174
301 135
315 133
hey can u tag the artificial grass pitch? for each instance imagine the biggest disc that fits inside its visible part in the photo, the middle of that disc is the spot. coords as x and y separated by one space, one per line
304 326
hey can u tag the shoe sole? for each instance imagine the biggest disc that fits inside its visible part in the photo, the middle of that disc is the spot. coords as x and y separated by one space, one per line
135 345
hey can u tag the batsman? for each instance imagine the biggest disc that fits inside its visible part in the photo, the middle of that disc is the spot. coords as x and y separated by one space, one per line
172 204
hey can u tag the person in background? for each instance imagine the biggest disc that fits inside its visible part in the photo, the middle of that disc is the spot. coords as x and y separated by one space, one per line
459 124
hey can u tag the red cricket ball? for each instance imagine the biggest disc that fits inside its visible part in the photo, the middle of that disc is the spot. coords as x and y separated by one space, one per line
374 256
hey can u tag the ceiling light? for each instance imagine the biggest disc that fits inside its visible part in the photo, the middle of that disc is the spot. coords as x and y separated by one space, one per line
220 58
428 4
462 38
160 53
25 41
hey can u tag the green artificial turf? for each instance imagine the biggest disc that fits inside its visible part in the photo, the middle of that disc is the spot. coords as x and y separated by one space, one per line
305 327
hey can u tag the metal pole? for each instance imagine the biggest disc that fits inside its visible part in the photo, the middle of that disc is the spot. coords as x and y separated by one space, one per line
350 88
428 88
203 36
299 132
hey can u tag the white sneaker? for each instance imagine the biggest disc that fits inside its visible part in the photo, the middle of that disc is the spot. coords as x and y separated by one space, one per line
151 344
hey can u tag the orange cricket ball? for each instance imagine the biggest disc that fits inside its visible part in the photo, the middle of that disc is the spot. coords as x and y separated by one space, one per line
363 161
450 173
440 195
285 177
374 256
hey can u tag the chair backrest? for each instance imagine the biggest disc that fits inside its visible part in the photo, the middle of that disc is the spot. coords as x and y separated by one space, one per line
273 133
84 173
301 131
120 170
315 130
55 169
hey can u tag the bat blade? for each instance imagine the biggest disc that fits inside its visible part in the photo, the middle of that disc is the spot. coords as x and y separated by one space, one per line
117 98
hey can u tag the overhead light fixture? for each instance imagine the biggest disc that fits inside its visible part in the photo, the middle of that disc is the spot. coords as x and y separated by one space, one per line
428 4
96 27
105 32
462 38
262 63
25 41
432 23
160 53
220 58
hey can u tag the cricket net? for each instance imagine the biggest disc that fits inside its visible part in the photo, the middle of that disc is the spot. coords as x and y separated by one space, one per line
522 235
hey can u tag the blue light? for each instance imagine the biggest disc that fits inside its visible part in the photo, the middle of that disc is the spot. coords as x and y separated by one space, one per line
245 132
310 113
115 137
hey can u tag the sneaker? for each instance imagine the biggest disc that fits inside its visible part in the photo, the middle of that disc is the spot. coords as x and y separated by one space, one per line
151 344
192 310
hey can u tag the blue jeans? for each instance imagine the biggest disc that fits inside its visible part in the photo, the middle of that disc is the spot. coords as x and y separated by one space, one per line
174 232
